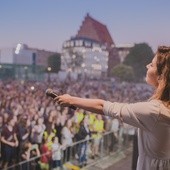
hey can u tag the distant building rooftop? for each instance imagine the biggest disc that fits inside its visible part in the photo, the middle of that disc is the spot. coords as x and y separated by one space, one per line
95 30
124 45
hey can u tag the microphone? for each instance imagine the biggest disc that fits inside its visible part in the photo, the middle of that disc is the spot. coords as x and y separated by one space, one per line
51 93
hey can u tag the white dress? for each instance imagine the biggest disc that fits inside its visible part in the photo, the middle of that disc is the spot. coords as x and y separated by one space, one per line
56 152
66 136
153 120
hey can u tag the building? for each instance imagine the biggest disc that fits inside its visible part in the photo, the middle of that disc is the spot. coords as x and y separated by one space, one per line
23 62
123 51
91 52
84 57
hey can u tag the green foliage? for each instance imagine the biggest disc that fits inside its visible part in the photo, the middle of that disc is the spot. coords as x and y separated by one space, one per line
7 73
54 61
123 72
140 55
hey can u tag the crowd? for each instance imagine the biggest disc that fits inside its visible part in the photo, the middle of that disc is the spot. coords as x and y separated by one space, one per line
31 124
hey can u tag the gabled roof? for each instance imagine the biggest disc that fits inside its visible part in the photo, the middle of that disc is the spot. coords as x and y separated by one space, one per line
93 29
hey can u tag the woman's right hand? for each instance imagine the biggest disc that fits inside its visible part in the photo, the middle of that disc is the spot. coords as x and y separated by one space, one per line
64 100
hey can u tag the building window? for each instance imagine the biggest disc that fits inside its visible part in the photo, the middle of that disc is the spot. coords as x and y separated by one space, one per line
96 45
71 43
87 44
79 42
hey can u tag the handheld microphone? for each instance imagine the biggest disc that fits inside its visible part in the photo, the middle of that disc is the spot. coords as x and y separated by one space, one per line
51 93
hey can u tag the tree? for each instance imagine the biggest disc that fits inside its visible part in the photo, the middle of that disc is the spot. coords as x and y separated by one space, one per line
123 72
139 56
54 61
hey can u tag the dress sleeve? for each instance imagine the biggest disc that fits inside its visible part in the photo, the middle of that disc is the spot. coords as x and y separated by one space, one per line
143 115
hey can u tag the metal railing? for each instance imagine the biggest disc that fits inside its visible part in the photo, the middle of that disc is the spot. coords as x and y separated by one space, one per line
107 143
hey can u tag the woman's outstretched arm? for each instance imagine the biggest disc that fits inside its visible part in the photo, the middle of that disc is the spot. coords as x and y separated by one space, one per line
92 105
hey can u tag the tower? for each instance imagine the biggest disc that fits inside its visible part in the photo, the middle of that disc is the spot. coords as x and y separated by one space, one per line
97 31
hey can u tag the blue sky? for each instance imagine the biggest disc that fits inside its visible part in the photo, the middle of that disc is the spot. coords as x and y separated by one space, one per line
46 24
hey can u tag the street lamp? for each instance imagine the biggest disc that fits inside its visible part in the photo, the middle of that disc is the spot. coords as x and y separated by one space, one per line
26 72
49 70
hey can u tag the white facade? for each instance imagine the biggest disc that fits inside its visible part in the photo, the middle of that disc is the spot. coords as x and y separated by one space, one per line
24 57
7 55
124 50
92 60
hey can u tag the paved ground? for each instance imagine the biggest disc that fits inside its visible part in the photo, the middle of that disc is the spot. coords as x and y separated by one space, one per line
123 164
116 161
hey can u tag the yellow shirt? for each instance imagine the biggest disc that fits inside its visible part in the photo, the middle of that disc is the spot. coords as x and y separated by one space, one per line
98 127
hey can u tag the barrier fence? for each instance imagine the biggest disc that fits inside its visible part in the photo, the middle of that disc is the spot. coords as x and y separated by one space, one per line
79 154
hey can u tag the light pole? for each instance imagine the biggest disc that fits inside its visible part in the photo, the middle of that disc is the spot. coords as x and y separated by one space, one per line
26 72
0 56
1 75
49 70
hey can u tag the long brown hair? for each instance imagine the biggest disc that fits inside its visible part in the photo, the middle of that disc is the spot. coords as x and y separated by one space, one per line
163 70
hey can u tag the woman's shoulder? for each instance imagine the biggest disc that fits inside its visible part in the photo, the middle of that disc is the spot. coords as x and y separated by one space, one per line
164 113
163 106
156 101
160 108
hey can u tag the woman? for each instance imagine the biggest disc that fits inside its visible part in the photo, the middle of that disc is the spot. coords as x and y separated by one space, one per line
45 155
97 132
151 117
24 130
9 141
30 151
56 153
26 155
37 131
67 140
83 133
